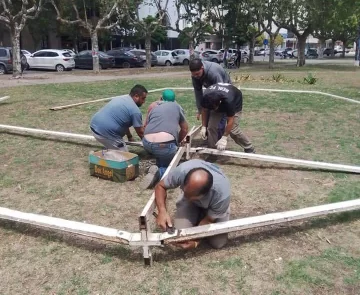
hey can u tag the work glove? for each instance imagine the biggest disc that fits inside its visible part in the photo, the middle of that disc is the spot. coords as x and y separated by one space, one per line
203 133
221 144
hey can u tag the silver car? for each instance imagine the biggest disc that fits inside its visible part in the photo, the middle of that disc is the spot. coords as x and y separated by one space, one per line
142 54
166 57
212 55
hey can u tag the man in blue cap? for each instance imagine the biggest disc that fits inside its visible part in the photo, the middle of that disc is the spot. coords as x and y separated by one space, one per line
162 135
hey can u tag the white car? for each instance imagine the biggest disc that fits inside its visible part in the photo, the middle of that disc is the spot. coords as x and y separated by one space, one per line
52 59
72 53
167 57
184 55
26 53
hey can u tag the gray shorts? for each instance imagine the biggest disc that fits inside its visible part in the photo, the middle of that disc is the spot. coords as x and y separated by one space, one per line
189 215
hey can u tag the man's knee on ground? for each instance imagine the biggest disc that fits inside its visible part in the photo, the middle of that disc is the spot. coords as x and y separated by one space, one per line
217 242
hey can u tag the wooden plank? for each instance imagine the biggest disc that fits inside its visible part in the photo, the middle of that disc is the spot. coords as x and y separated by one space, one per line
4 98
259 221
150 205
302 91
80 103
280 160
193 132
75 227
56 134
57 108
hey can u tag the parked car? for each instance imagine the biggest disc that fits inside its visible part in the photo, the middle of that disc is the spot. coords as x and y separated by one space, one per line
142 55
5 60
184 55
51 59
84 60
72 53
166 57
125 59
26 53
309 53
212 55
328 51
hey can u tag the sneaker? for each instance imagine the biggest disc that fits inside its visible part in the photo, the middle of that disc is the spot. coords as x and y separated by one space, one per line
250 151
151 178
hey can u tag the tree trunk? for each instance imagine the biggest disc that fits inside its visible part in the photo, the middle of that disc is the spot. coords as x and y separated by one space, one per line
332 48
191 48
272 51
15 42
251 50
343 48
322 48
95 51
301 51
148 51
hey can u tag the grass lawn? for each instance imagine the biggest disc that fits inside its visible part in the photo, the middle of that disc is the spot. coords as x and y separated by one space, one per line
51 177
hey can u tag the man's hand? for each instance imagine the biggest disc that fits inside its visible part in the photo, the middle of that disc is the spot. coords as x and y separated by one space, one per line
203 133
198 115
187 245
163 220
130 139
221 144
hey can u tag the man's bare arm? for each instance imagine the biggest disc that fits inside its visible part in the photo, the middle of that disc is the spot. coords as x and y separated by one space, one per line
140 131
184 129
163 219
229 125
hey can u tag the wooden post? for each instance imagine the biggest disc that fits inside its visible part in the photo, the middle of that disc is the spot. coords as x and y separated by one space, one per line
55 134
144 218
280 160
4 98
259 221
75 227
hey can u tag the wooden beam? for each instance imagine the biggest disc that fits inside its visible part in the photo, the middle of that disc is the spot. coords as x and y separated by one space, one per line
108 98
258 221
75 227
302 91
280 160
4 98
80 103
56 134
150 205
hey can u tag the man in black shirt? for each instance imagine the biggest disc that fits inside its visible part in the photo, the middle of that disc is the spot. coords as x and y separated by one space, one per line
224 99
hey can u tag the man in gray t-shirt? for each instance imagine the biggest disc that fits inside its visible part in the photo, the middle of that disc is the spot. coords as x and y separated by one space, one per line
162 135
205 74
112 122
205 199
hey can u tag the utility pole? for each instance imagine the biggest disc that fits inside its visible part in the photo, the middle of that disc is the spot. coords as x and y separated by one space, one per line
222 25
357 52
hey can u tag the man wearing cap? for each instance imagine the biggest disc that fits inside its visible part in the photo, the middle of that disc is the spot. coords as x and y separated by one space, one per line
224 100
162 135
112 122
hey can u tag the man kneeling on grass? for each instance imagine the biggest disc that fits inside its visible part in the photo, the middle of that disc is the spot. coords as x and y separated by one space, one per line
205 199
112 122
166 127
